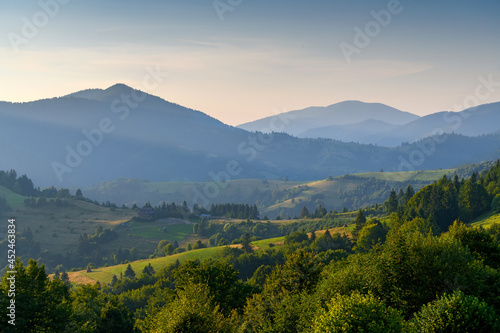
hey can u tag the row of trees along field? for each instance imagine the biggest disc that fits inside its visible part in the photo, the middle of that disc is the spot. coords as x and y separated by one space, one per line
37 197
417 270
24 186
171 210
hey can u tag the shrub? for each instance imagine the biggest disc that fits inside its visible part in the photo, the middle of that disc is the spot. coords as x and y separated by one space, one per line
359 313
455 313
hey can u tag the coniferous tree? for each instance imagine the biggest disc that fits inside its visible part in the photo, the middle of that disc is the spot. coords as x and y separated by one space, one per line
245 244
129 272
148 270
456 183
320 211
473 199
359 223
409 193
392 203
304 213
401 194
65 278
114 279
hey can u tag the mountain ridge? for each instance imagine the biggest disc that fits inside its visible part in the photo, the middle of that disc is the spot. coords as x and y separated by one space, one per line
79 142
316 122
342 113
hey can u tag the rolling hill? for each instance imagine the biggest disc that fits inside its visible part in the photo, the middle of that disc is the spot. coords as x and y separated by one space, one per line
104 275
281 197
13 199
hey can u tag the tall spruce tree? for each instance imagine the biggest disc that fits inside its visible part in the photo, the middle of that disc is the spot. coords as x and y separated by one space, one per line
359 223
392 203
129 272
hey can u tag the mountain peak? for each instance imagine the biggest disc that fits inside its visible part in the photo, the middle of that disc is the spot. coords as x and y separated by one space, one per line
111 92
119 87
115 91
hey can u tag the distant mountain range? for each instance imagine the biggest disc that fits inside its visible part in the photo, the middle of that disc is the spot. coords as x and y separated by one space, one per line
345 113
99 135
379 124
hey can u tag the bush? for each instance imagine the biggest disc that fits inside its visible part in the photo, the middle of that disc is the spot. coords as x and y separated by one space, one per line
179 250
455 313
192 311
370 235
359 313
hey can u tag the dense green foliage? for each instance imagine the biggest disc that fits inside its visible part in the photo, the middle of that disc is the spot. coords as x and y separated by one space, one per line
20 185
417 270
450 199
358 313
44 305
310 284
235 211
232 232
456 313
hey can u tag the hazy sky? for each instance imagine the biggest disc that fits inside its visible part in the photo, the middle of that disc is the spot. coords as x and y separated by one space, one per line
255 58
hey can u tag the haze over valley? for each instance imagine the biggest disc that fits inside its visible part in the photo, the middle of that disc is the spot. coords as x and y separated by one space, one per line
97 135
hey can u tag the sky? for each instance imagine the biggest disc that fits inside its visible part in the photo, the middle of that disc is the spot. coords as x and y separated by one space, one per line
241 60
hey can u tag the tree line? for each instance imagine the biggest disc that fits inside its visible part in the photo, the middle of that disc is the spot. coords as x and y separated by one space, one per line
448 199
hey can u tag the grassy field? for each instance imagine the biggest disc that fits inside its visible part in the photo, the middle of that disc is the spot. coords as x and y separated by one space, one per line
264 243
14 200
324 189
105 274
487 220
57 229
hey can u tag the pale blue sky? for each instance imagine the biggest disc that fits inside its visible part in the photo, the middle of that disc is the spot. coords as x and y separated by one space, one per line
265 57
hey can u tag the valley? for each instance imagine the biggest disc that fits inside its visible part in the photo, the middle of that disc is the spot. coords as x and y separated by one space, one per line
235 166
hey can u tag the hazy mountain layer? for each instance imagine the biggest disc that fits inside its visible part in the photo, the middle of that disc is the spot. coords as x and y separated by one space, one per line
100 135
382 125
344 113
